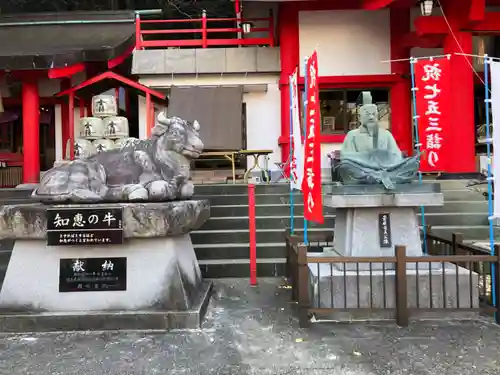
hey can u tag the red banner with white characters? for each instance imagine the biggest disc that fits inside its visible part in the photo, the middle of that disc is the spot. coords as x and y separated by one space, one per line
433 94
311 182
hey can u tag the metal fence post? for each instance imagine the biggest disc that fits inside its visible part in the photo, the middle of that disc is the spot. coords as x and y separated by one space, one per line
428 241
496 290
402 318
204 29
252 234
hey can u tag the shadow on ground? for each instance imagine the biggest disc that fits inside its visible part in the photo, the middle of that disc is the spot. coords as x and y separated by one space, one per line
252 331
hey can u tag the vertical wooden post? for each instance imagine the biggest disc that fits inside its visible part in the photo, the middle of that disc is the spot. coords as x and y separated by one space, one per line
204 29
81 106
456 238
402 318
303 285
271 28
148 115
71 123
253 234
117 99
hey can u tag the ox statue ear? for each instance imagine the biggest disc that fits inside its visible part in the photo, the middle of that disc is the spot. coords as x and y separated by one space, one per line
162 124
196 125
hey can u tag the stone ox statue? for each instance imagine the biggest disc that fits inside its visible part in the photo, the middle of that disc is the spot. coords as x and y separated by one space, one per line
156 169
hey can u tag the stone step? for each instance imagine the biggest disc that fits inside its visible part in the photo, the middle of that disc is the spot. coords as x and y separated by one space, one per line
470 232
221 268
272 198
450 207
239 251
283 221
13 193
225 236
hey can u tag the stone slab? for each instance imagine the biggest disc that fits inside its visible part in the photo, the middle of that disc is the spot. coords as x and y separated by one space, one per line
149 61
383 200
241 60
103 320
162 274
140 220
210 60
268 59
413 188
180 61
329 290
357 234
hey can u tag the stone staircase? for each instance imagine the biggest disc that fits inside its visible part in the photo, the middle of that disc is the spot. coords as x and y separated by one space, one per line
222 244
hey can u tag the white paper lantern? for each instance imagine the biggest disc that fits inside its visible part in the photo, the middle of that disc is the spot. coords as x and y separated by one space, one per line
104 106
90 128
102 145
115 127
83 149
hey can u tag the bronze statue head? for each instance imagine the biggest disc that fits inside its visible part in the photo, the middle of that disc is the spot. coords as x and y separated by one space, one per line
368 113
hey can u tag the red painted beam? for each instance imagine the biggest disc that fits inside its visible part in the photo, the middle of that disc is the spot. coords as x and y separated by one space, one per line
411 40
65 72
430 25
375 4
477 10
491 23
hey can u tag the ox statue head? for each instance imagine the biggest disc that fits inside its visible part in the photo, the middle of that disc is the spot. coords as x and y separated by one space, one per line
178 135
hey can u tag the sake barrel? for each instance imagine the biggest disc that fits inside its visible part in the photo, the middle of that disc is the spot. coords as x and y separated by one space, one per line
115 127
102 145
104 106
90 128
122 142
83 149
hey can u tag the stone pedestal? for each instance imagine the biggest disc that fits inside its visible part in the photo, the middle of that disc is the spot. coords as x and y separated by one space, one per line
357 231
164 287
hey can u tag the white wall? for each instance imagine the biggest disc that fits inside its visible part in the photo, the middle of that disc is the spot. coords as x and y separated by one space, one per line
349 42
263 108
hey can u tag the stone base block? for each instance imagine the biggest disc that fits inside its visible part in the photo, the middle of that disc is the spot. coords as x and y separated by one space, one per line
105 320
162 274
435 289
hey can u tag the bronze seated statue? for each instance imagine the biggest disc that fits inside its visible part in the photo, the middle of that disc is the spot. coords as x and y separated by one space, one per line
370 155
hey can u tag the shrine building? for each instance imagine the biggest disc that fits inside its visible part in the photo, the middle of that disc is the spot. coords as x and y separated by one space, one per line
232 73
363 45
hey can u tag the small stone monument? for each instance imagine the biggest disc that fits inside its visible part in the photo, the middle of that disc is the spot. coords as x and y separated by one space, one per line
375 211
109 246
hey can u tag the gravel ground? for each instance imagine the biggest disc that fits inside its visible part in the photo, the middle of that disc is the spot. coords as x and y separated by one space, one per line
252 331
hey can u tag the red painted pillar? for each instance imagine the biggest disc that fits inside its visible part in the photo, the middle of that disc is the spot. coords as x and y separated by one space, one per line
462 139
65 84
400 95
288 30
31 131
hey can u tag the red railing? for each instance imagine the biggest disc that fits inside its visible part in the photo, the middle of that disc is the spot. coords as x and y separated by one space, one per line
163 34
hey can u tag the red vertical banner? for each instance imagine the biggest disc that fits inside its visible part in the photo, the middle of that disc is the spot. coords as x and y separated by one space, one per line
433 99
311 183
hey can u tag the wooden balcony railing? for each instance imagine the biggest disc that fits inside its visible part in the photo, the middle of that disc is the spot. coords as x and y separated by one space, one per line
203 32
